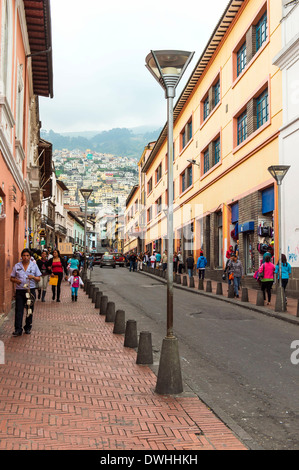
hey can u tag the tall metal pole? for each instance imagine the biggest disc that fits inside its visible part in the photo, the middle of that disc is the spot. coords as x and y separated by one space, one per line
170 218
85 230
283 307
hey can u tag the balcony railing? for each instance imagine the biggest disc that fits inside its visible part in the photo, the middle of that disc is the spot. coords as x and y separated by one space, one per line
60 229
45 220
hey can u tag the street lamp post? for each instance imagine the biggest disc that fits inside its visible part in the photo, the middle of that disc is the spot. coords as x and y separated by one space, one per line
86 194
278 172
168 67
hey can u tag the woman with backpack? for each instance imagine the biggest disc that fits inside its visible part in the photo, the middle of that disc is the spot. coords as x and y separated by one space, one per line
285 272
266 276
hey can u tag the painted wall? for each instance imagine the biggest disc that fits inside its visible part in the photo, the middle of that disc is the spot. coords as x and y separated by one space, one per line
242 168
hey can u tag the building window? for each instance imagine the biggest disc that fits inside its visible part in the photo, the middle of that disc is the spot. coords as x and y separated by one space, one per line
250 44
206 161
217 151
206 108
159 205
149 186
262 109
186 179
216 89
149 214
241 59
186 134
261 31
159 173
242 127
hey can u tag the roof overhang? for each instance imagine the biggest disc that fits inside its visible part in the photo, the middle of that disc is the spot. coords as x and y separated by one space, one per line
38 19
45 165
216 38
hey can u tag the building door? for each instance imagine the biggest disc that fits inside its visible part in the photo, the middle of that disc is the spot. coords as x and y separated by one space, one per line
249 252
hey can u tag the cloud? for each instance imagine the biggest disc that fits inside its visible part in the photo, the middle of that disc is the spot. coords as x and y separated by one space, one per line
99 50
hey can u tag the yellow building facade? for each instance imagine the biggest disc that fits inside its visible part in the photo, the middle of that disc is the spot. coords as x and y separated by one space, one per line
226 135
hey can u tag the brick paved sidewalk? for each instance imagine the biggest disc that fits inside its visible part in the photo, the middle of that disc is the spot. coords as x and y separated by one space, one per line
72 385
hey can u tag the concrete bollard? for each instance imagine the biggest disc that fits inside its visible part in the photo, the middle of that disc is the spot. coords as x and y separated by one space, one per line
260 298
86 284
98 299
119 324
200 284
244 297
191 281
185 282
90 292
110 312
231 291
131 334
145 350
103 305
94 294
209 286
219 289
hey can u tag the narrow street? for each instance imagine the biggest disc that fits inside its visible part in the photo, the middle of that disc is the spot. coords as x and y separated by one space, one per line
236 360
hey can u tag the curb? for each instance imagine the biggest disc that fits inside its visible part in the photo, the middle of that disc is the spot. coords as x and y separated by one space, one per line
263 310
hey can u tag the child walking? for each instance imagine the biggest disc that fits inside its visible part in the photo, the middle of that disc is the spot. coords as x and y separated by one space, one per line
75 282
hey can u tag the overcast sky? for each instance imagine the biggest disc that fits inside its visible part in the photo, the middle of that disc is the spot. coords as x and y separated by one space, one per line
99 50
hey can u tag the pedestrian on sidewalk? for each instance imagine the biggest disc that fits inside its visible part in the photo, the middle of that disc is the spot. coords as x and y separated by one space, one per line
164 260
139 262
286 270
266 273
25 275
190 265
75 282
132 259
43 266
201 265
180 262
175 261
235 269
158 260
153 260
73 263
58 266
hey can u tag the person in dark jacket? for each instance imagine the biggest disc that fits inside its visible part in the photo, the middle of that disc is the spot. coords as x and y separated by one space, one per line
190 265
45 269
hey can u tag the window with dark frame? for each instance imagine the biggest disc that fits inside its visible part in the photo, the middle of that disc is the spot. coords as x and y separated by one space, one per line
262 109
241 59
242 127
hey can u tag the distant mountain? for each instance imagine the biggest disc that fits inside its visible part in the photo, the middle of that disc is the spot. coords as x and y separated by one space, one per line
120 141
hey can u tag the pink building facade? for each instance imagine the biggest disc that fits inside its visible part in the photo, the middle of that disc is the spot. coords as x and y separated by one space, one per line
25 74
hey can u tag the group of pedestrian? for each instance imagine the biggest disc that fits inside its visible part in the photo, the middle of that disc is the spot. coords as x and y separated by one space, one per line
34 272
267 270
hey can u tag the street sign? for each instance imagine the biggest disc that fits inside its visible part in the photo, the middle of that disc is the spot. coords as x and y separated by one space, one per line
65 248
43 242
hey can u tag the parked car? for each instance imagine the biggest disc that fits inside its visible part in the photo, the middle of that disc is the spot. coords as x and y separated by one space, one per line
97 259
108 260
119 259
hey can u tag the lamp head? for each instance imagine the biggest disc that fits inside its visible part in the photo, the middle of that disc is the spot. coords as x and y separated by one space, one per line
86 193
278 172
168 67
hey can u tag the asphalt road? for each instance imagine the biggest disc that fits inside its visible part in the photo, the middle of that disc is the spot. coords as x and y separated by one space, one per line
237 361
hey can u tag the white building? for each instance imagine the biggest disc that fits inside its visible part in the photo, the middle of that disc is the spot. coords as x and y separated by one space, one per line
288 61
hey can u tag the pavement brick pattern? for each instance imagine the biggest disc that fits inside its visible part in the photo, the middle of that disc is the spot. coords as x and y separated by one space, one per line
72 385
